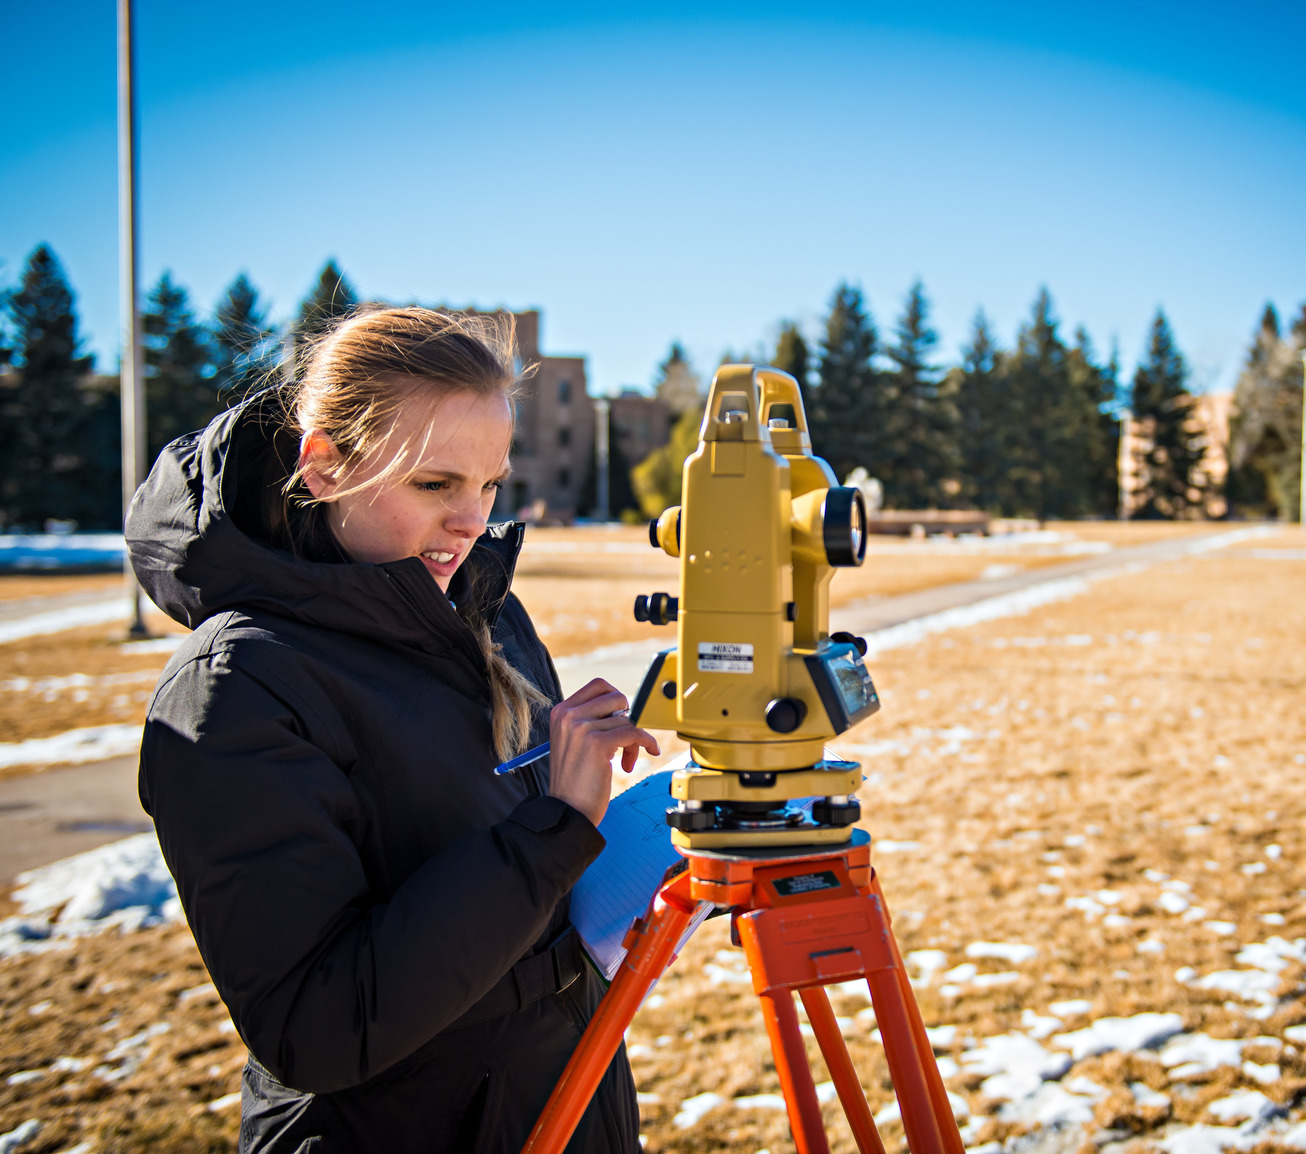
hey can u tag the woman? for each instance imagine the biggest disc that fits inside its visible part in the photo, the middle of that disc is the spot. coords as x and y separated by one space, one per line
385 918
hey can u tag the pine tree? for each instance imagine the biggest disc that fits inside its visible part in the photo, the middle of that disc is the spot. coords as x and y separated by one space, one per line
1095 461
985 421
1045 472
792 357
922 467
1265 466
677 385
1163 406
331 297
179 391
45 409
244 351
849 417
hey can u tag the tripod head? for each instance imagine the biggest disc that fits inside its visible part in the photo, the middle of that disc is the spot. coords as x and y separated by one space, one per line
756 684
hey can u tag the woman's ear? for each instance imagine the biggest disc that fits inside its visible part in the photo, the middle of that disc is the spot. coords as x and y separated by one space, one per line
320 464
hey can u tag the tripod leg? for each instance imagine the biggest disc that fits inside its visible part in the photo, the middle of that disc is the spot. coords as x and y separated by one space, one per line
817 1004
938 1092
795 1074
650 947
907 1064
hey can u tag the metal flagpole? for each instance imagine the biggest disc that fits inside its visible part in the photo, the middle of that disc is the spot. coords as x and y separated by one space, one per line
133 377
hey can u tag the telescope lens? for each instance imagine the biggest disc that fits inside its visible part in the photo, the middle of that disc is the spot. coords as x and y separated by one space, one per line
857 528
844 526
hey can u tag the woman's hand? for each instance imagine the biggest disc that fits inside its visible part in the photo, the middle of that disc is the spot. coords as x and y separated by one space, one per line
585 732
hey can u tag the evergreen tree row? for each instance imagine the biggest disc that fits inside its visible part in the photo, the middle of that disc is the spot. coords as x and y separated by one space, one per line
1031 431
61 423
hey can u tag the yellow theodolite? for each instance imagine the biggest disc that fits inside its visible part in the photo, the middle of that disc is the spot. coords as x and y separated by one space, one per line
756 684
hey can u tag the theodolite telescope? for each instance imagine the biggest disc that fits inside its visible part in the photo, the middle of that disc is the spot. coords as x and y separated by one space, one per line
756 684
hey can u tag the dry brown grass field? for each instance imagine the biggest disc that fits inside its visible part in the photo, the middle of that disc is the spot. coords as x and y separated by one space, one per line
1114 781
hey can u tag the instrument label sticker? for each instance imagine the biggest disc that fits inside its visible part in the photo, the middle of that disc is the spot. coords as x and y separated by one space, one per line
719 657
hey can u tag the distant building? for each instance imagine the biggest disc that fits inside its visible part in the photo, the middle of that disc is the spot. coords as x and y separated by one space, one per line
1211 414
640 424
554 440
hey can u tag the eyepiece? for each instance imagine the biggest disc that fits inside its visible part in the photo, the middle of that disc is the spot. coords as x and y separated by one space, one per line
843 521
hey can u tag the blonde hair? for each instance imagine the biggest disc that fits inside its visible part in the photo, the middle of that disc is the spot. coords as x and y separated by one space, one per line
351 383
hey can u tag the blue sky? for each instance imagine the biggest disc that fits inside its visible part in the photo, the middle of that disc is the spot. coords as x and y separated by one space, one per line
693 172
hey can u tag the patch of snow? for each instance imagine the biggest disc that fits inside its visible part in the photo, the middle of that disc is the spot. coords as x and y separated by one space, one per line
760 1102
1295 1033
1203 1139
19 1137
1013 952
1242 1105
889 845
926 963
226 1102
1200 1054
1172 902
941 1037
124 884
1140 1032
1039 1026
1248 985
1272 955
1050 1105
1266 1073
1148 1098
692 1110
57 620
1071 1006
93 743
987 981
1015 1065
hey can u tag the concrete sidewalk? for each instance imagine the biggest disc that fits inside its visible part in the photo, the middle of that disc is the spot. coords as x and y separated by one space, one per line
51 815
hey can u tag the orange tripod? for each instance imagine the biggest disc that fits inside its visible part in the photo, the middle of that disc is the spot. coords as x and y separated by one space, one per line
806 918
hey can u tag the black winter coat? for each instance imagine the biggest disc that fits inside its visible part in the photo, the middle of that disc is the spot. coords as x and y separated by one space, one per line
385 919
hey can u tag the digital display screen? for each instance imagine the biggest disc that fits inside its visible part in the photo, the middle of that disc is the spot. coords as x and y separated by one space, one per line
843 683
853 682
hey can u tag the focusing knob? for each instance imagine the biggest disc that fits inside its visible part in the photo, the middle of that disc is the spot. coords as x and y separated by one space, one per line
785 714
657 608
849 639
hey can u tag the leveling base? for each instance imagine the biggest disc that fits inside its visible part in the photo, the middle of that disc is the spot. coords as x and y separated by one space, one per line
806 918
699 791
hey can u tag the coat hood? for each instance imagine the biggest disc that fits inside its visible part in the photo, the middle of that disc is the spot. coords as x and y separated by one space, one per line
195 556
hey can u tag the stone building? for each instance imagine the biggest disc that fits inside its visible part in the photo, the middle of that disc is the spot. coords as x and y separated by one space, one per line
554 442
1211 416
640 424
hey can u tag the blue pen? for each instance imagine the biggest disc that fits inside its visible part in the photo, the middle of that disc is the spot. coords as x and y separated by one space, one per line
522 759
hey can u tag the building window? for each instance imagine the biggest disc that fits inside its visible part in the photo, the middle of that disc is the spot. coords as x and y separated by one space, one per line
564 392
564 436
521 495
564 478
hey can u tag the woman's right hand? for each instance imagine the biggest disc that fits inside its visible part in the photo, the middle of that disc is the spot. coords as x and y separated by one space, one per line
585 732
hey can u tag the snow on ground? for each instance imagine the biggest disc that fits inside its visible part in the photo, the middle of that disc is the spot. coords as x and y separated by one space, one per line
94 743
57 620
124 884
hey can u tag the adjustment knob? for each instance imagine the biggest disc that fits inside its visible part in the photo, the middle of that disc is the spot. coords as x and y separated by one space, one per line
785 714
849 639
657 608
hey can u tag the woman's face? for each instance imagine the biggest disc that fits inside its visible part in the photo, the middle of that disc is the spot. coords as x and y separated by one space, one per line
436 503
